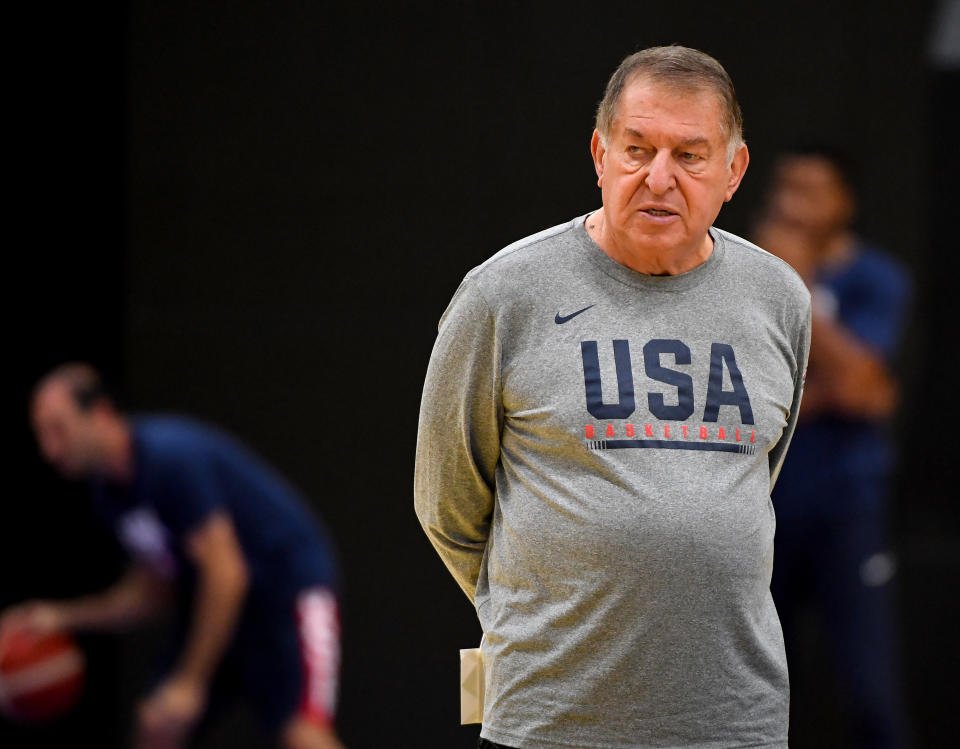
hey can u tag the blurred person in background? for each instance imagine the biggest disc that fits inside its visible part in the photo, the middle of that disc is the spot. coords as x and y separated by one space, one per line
207 523
832 499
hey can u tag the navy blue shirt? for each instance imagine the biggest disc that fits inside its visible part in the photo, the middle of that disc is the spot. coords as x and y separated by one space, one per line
870 296
183 472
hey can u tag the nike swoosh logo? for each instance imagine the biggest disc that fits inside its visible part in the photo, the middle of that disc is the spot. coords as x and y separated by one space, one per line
561 320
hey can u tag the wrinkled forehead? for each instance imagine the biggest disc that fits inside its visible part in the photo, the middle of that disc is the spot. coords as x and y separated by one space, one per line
681 105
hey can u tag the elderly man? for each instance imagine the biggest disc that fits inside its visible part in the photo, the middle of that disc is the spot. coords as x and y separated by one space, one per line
195 508
606 409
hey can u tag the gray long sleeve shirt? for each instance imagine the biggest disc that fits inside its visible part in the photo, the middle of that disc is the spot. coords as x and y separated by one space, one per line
594 462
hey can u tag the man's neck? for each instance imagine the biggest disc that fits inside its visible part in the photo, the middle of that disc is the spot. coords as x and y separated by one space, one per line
838 248
668 263
118 451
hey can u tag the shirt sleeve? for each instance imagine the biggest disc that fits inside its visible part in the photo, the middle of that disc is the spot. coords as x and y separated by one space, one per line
186 492
876 308
458 440
802 352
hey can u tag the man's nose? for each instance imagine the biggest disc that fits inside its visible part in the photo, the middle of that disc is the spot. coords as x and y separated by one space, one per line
661 176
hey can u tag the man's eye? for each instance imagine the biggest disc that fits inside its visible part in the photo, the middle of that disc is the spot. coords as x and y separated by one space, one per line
687 156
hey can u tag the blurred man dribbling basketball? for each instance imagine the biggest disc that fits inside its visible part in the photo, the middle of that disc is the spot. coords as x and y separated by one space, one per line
202 519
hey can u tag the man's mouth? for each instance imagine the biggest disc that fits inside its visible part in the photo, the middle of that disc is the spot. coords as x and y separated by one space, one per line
658 212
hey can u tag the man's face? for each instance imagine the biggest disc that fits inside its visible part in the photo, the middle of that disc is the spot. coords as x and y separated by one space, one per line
809 193
65 434
663 172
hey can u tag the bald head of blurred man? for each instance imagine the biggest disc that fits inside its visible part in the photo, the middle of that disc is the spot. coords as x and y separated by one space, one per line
78 428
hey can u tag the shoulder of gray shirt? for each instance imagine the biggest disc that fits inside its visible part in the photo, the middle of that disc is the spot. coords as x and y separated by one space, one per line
505 276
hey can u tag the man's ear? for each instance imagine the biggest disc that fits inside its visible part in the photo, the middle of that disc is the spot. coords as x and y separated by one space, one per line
598 151
738 167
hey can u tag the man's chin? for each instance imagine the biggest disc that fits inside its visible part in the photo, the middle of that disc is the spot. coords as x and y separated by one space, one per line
659 239
70 472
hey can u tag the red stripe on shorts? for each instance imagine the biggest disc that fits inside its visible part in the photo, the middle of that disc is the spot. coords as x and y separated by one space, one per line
318 628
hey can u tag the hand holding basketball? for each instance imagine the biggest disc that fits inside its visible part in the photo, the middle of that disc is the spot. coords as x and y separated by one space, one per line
39 617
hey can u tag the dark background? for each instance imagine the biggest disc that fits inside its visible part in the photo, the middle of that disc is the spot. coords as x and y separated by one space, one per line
256 213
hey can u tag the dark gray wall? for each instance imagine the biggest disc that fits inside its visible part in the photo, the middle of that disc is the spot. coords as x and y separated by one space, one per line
288 194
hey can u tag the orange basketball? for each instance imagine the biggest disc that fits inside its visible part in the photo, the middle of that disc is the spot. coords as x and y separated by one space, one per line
41 676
